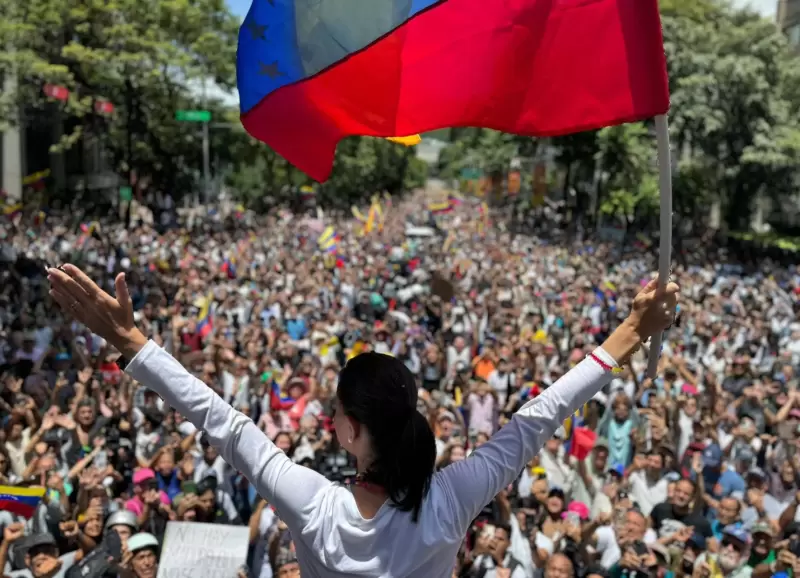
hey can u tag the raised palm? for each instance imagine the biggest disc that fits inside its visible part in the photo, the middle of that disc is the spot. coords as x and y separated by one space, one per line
107 316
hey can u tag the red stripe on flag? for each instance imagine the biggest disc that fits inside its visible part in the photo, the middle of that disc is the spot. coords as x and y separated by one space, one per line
18 508
532 67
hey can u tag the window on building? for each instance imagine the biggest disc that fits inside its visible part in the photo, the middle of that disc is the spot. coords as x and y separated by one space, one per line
793 32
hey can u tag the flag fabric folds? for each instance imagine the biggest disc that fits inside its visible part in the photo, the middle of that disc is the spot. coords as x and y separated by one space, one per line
20 501
311 73
328 241
205 318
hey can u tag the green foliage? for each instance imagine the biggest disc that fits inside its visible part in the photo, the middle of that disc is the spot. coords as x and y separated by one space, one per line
147 57
627 156
734 124
363 167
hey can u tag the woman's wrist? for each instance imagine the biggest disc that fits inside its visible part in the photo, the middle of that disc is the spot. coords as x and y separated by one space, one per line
130 343
623 342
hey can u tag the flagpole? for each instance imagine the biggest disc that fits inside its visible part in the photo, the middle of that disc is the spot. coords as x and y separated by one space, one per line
665 244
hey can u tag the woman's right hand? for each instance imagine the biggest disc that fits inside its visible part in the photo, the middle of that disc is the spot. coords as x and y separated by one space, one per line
106 316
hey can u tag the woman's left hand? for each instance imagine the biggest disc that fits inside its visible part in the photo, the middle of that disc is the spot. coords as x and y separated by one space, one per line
108 317
654 310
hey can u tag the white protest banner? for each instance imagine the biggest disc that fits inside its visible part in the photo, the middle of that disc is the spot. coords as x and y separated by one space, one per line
194 550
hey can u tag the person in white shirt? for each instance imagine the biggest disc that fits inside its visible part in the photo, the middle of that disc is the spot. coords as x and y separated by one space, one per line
648 487
396 498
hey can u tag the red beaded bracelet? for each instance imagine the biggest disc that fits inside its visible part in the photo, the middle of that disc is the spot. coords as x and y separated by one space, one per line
604 365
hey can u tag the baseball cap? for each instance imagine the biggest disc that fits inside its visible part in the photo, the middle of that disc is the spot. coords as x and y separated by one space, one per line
142 475
39 540
579 508
737 532
617 470
762 528
446 415
560 433
697 541
745 455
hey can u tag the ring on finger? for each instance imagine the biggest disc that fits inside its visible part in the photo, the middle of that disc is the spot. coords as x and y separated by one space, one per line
74 306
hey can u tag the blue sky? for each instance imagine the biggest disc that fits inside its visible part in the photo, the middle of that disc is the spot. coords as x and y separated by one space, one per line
239 7
766 7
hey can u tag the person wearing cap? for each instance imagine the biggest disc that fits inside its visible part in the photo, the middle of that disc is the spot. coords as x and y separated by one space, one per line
761 551
142 555
551 521
759 505
41 554
731 560
695 547
603 502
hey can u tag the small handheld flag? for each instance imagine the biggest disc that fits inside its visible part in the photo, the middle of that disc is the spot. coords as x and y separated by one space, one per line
328 241
20 501
205 321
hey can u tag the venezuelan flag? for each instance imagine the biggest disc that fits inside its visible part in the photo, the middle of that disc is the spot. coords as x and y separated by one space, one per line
312 72
372 216
278 401
573 421
205 319
11 211
454 199
328 241
229 267
20 501
440 208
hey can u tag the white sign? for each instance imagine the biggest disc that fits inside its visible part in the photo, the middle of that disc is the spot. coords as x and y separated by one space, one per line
193 550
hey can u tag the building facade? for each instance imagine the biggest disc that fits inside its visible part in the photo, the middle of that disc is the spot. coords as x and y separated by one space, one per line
789 20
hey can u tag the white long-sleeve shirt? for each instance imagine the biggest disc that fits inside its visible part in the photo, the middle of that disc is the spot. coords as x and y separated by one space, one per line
332 538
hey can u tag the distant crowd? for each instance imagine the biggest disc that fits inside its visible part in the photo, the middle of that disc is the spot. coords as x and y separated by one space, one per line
694 473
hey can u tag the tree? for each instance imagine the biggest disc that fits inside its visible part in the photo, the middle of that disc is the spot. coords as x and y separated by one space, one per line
147 57
733 83
735 90
363 166
628 160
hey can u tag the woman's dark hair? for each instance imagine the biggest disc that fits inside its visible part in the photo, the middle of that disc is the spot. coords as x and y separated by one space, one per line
379 392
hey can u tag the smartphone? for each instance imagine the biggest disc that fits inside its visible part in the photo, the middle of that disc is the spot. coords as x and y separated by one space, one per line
100 461
573 519
640 548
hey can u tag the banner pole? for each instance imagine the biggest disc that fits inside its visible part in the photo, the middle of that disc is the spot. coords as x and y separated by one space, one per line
665 243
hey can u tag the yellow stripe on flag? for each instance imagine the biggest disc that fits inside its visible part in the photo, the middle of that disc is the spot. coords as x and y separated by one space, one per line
22 492
408 141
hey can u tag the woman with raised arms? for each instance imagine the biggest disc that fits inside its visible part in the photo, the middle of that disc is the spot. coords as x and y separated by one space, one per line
400 519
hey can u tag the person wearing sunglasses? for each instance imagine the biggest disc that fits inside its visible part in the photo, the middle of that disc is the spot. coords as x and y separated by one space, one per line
731 560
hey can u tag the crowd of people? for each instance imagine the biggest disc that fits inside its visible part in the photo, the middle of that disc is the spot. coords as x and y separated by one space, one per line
693 473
